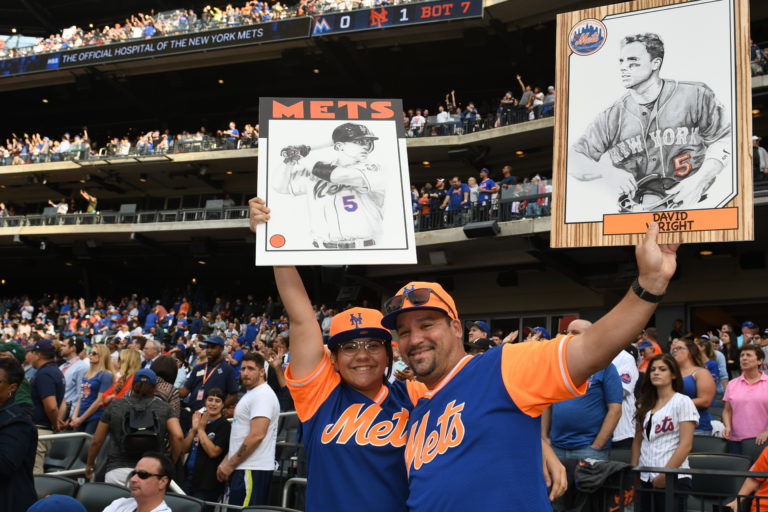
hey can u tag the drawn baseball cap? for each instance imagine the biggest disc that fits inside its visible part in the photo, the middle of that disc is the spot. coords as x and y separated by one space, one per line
145 375
418 295
45 346
349 132
356 323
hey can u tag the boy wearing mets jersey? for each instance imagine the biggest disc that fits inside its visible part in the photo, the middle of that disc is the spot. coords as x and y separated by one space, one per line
675 131
353 421
345 193
474 438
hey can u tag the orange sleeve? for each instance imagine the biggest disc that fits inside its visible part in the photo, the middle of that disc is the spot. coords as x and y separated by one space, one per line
761 464
536 374
310 392
416 390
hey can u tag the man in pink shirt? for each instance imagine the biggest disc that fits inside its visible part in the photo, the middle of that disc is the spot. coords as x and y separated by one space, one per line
746 401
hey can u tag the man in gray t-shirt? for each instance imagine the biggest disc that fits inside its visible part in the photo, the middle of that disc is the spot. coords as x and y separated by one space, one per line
119 463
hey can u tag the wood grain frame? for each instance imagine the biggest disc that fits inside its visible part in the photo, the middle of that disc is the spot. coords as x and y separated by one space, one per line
585 234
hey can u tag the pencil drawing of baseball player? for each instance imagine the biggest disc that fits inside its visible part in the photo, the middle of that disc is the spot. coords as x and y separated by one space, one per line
667 140
344 190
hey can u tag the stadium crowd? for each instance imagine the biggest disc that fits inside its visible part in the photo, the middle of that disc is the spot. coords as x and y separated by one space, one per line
452 118
455 203
95 366
158 24
37 148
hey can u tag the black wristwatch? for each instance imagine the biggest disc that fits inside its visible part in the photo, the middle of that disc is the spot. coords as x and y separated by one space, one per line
645 294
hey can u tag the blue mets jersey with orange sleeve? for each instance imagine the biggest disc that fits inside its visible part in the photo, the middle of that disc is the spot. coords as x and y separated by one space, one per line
474 441
354 444
672 138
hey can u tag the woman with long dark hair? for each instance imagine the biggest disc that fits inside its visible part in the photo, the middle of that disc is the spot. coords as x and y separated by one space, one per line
698 383
666 419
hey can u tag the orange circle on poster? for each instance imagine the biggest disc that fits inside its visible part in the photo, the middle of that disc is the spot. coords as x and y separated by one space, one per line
277 241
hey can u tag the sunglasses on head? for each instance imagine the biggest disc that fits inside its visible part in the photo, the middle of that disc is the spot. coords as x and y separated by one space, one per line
143 474
417 297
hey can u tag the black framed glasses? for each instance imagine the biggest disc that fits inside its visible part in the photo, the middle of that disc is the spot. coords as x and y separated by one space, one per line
417 297
143 474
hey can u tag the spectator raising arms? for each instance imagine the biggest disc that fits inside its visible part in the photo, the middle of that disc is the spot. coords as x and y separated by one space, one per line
698 383
746 401
666 419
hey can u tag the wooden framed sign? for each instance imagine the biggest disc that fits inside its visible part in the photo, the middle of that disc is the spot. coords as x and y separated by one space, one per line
653 123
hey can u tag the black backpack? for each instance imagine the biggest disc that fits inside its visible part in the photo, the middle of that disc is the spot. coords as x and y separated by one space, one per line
141 430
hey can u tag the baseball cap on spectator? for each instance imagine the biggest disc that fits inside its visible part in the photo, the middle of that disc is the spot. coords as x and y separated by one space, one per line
755 137
765 332
544 332
357 323
418 295
481 344
551 88
644 344
145 375
749 324
482 326
215 340
485 170
15 349
57 503
439 180
45 346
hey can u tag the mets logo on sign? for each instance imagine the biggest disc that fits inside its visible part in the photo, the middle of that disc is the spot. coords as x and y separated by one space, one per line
587 37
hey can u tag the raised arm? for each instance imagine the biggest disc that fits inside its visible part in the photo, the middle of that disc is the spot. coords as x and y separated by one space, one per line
598 345
306 338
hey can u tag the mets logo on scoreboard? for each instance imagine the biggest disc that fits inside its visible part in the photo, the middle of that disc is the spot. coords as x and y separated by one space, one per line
587 37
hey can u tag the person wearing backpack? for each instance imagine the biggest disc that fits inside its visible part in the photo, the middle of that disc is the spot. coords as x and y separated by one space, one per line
138 423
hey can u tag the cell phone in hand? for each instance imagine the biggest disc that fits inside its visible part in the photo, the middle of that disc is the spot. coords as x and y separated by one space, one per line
400 366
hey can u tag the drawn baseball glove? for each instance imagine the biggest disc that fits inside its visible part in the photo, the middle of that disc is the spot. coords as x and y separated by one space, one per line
651 195
294 153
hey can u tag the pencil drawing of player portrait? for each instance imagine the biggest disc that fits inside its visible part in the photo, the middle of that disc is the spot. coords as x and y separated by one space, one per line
661 145
344 191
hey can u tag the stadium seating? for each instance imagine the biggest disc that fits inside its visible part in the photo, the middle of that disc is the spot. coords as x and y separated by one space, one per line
50 484
179 503
705 486
63 454
708 444
96 496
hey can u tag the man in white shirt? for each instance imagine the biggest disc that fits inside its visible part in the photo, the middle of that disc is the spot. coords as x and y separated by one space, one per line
251 459
417 123
148 483
626 366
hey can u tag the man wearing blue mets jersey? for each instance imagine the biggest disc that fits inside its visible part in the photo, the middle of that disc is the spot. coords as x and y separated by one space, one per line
474 438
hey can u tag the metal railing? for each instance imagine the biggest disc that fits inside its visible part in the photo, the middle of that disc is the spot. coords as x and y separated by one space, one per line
462 124
112 217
